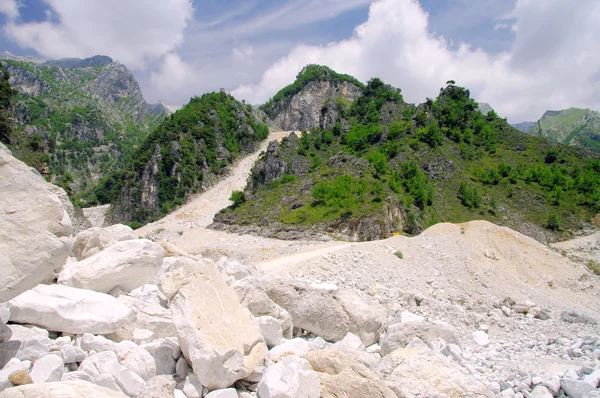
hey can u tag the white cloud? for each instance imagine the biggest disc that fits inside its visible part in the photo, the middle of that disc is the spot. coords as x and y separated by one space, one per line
10 8
552 63
128 30
243 53
173 75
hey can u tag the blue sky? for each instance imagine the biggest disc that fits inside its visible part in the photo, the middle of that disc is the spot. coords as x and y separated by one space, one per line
522 56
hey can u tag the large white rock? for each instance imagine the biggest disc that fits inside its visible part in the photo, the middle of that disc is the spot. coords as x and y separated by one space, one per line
165 353
69 310
341 376
35 229
107 362
271 330
401 334
311 309
217 335
25 344
251 293
128 265
136 359
159 387
292 377
368 319
148 315
94 240
63 389
192 387
129 354
297 346
481 338
419 371
47 368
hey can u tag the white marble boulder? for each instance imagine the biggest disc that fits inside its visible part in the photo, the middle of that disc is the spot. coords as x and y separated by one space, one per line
35 229
69 310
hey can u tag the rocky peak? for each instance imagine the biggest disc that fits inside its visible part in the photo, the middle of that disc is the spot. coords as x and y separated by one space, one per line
318 98
96 60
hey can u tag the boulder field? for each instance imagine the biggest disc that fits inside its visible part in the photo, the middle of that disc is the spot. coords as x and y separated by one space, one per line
466 311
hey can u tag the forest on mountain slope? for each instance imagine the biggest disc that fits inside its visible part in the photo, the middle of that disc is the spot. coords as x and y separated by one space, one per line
186 153
76 120
402 168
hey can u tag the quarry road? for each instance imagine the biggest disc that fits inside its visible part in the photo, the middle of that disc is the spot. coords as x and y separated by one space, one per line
187 226
202 208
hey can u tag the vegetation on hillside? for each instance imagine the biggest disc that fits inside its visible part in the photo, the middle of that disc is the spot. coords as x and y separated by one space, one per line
71 128
573 126
5 107
441 161
180 156
308 74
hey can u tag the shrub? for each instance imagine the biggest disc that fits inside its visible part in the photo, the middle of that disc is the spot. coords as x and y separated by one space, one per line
379 162
237 197
553 223
399 254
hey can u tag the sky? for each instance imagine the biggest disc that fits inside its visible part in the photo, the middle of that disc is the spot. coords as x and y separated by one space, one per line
523 57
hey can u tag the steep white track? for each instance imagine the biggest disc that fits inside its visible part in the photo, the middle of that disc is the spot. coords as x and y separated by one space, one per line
186 227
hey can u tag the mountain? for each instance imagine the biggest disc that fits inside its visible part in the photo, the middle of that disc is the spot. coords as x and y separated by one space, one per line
317 97
388 167
573 126
76 119
484 108
525 127
186 153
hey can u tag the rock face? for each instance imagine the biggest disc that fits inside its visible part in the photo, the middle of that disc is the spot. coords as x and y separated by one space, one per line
69 310
413 372
128 265
316 99
179 160
63 389
342 376
250 292
310 308
93 240
96 104
217 335
292 377
35 229
367 319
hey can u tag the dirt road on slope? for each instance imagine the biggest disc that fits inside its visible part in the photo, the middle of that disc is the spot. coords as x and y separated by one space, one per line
186 227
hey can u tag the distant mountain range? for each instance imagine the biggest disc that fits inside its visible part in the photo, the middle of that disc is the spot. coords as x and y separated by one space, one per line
573 126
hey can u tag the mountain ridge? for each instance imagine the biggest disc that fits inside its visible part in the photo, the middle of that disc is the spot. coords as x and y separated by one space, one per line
78 121
387 167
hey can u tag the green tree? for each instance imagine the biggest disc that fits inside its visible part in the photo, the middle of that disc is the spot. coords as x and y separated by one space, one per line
237 197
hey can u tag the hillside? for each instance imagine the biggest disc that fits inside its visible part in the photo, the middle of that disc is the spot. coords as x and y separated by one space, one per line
318 97
524 127
573 126
399 168
186 153
76 119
